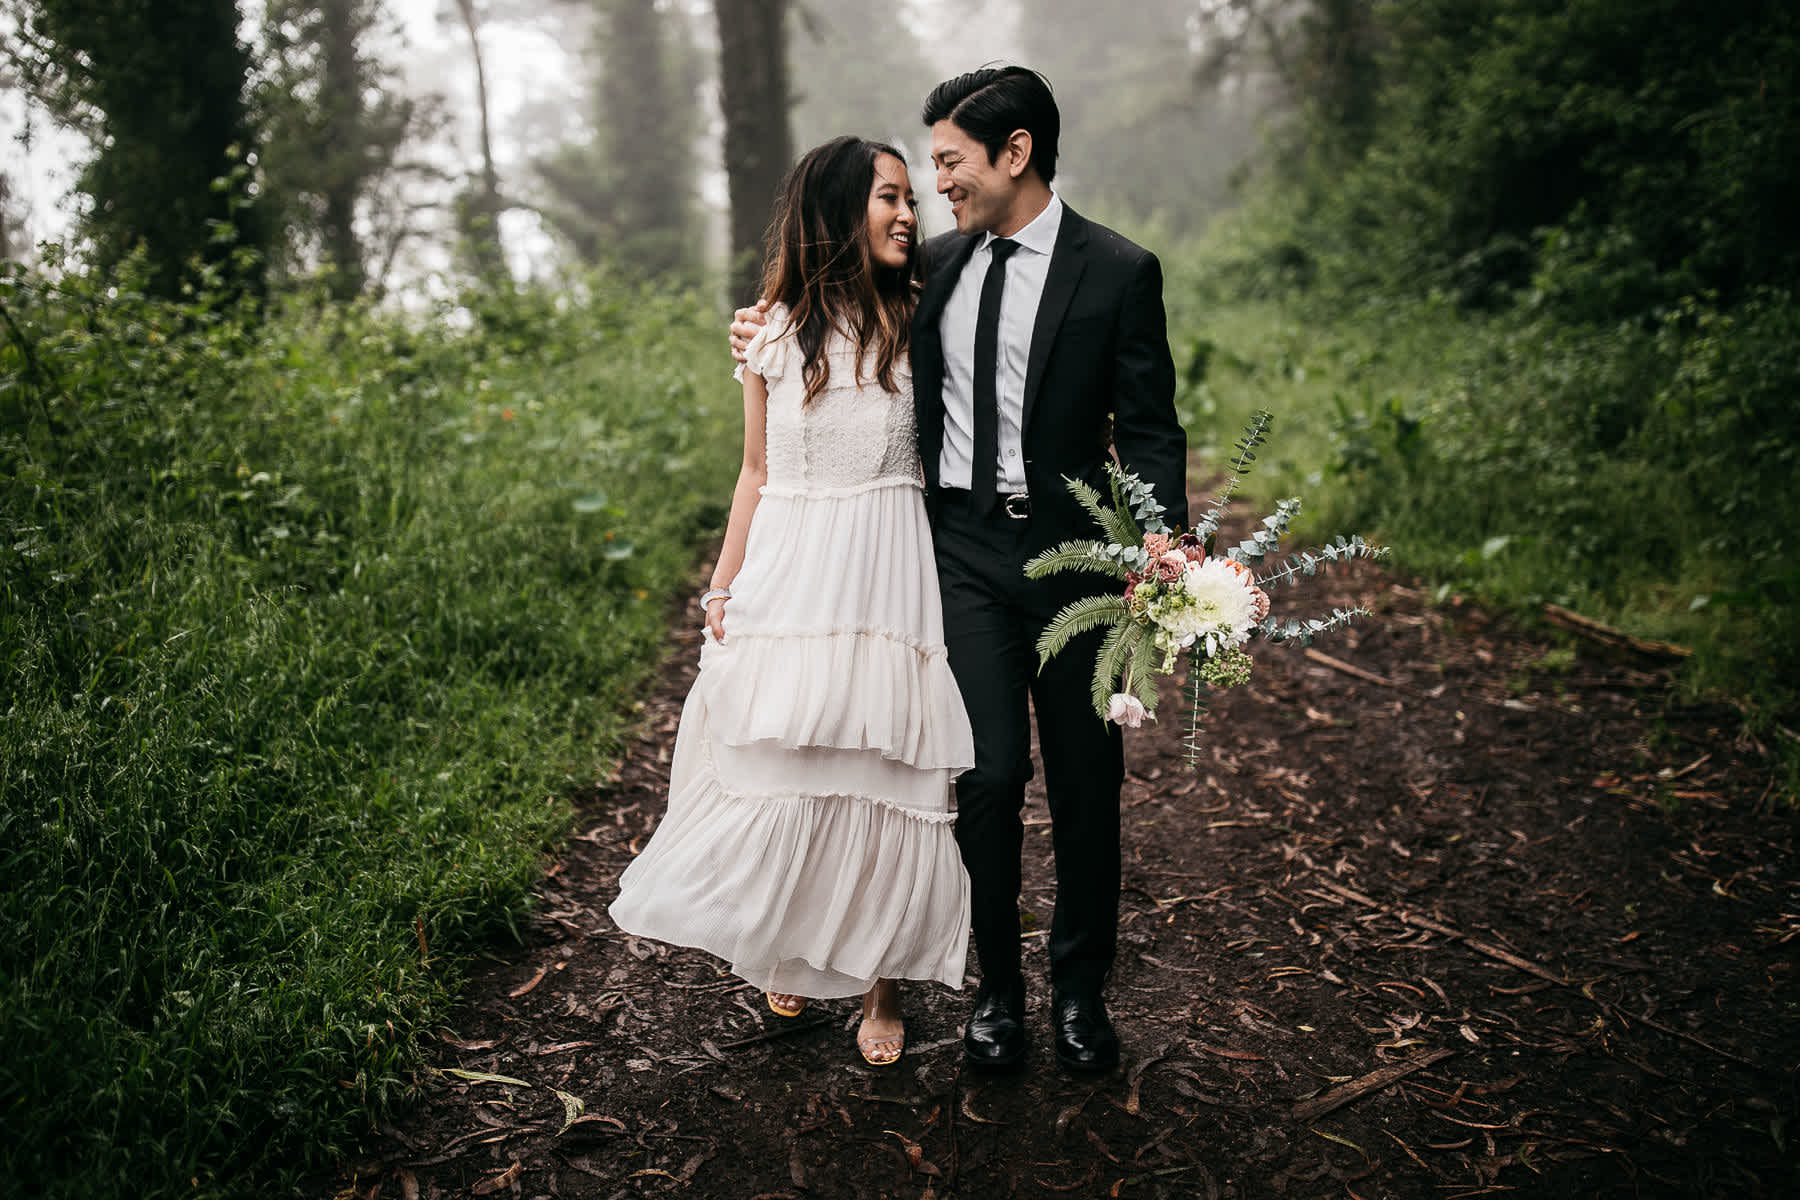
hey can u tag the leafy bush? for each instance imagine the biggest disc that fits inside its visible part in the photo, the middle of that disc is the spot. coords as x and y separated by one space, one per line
1658 138
310 626
1531 314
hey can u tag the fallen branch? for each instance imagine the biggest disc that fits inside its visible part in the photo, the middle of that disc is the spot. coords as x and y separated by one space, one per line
1606 635
1621 1015
1374 1081
1350 669
1418 922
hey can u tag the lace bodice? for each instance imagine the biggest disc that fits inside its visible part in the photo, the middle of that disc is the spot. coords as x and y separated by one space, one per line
851 437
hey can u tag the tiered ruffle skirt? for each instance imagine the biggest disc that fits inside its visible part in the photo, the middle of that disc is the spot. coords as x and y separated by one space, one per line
809 839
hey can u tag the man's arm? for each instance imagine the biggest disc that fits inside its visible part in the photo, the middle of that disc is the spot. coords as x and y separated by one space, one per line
1146 432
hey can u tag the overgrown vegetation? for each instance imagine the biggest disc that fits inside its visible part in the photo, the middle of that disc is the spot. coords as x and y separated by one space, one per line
1529 305
311 627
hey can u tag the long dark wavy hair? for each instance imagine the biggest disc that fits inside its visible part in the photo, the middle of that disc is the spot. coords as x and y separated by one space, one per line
820 266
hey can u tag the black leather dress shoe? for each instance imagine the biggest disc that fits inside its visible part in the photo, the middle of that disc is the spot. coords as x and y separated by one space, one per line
995 1035
1085 1038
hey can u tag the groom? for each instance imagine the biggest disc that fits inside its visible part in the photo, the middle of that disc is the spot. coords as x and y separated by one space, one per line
1039 344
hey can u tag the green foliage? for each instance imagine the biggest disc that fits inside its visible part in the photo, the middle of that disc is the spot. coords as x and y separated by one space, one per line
1535 324
1605 156
160 90
309 628
1640 475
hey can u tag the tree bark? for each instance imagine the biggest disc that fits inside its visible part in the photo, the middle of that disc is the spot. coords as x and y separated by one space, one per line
759 149
481 210
343 105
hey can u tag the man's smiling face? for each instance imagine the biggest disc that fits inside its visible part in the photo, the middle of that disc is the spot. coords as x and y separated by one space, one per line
980 192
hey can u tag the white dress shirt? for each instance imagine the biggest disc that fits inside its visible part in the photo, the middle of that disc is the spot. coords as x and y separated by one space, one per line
1025 274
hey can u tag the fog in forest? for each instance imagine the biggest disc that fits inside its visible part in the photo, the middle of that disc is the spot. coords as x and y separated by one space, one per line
1163 103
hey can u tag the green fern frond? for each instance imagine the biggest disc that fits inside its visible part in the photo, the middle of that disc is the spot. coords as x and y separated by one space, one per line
1144 687
1118 530
1112 659
1074 556
1090 612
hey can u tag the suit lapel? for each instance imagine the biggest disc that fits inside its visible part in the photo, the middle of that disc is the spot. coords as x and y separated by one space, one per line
942 272
941 280
1066 265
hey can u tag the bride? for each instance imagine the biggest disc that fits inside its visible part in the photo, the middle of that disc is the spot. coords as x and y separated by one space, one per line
808 839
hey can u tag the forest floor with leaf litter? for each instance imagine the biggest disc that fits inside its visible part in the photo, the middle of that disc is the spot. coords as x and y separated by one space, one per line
1447 909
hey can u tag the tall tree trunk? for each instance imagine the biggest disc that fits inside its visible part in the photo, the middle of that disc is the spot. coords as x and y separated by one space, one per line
343 104
1345 70
168 81
758 147
6 231
480 215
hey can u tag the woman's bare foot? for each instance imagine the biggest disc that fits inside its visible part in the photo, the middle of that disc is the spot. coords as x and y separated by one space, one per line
882 1035
784 1005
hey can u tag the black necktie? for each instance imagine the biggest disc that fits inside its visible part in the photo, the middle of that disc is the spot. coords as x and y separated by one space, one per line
987 371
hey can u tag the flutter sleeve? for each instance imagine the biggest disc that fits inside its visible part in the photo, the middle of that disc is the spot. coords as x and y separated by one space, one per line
767 353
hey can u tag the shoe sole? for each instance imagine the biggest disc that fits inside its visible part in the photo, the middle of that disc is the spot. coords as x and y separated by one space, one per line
1078 1067
995 1064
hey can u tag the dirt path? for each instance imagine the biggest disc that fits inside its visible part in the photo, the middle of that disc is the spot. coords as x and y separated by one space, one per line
1499 919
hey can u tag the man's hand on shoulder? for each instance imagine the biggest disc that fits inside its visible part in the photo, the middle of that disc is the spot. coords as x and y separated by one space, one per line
745 323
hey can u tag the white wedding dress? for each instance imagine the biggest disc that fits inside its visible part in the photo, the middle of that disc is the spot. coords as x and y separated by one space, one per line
809 839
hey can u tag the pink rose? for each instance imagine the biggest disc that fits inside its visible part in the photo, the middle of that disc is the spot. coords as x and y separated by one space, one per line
1125 709
1156 544
1260 600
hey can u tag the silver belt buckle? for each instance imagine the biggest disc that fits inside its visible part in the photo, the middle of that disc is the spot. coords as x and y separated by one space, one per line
1024 508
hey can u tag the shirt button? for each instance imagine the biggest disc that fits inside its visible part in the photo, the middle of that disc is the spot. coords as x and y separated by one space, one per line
1012 454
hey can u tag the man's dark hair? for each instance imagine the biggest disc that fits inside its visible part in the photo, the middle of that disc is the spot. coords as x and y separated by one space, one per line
991 103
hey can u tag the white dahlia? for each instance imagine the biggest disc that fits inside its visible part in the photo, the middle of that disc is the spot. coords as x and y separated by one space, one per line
1220 608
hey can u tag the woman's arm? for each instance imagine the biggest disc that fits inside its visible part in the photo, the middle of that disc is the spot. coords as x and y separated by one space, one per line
751 477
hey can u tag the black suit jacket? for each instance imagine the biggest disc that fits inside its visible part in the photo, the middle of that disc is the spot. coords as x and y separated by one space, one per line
1099 350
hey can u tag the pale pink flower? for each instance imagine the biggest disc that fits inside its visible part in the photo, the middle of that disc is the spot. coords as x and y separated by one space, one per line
1124 709
1260 602
1156 544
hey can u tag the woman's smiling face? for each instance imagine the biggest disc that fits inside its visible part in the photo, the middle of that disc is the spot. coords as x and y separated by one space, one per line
893 221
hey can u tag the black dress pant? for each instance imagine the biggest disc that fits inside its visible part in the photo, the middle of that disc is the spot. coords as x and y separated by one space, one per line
992 618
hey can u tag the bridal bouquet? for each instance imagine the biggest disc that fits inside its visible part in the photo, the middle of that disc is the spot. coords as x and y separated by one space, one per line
1181 598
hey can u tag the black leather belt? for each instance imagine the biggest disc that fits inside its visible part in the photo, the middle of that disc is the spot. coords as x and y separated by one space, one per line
1016 505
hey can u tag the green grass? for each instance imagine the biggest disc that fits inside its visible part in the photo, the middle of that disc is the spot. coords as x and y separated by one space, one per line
309 629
